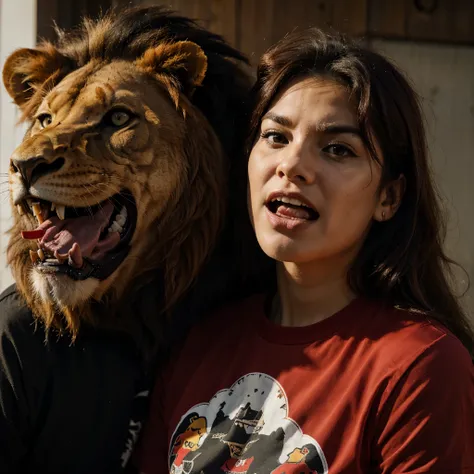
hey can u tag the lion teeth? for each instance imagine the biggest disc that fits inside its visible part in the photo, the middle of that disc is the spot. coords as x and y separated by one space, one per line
53 206
115 227
36 207
61 211
20 210
60 257
120 220
41 255
75 256
33 256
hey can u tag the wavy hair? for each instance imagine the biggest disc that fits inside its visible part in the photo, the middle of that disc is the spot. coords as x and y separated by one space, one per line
402 260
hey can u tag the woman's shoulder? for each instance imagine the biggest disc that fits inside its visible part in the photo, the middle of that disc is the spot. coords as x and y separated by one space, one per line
401 338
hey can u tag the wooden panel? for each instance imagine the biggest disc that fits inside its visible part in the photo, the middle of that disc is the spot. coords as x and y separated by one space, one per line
350 16
66 14
216 15
448 21
255 27
47 13
387 19
451 20
263 22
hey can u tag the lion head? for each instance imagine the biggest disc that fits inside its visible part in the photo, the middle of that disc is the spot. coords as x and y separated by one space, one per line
123 170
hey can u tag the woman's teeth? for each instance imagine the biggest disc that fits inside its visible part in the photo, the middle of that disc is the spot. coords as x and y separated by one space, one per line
288 200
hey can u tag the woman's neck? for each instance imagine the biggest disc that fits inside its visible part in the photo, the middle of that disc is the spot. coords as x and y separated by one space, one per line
307 295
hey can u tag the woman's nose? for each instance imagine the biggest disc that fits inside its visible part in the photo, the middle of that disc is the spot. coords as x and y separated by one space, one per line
297 166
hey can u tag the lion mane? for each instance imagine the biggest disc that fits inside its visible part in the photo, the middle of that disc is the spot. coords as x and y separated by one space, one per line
175 159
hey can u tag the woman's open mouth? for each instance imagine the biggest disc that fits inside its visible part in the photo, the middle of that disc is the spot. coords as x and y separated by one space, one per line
289 211
291 208
82 241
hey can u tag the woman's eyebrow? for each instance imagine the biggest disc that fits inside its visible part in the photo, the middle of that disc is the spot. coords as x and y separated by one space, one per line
280 119
334 129
330 129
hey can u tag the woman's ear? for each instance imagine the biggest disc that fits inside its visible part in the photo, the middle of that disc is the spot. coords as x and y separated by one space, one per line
390 199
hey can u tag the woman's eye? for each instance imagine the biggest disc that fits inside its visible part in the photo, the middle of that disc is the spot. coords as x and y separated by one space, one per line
45 120
118 118
274 138
339 150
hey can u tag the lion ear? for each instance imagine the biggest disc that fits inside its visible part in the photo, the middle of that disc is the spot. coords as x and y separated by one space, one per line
184 60
27 70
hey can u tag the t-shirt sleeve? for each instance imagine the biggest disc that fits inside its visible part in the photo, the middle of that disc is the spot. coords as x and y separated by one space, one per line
427 420
151 453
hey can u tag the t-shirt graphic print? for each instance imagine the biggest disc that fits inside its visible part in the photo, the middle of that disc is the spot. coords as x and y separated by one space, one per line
244 429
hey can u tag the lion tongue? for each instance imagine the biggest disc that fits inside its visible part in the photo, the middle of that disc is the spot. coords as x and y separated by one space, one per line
84 231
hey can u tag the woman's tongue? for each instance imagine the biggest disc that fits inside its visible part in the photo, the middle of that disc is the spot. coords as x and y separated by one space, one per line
85 231
293 212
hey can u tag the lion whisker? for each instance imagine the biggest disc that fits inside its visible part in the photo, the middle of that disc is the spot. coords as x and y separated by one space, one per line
96 185
4 197
89 208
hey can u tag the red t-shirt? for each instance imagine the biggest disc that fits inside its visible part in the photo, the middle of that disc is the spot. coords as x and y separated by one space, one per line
370 389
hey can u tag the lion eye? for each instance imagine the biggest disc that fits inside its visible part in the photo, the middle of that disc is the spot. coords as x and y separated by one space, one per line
119 118
45 120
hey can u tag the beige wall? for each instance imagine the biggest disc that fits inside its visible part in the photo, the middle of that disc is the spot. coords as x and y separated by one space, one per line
17 29
444 77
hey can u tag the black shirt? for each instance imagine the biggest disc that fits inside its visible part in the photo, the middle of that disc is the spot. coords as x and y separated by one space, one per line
78 409
64 408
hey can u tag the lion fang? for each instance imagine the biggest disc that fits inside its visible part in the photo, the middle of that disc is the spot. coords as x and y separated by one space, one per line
36 207
61 211
33 256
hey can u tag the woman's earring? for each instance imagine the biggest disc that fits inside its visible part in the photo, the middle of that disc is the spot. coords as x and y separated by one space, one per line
383 215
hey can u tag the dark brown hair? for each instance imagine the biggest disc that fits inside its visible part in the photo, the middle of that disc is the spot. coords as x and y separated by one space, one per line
402 260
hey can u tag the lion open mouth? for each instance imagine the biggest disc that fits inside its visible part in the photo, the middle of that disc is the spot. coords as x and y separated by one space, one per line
82 242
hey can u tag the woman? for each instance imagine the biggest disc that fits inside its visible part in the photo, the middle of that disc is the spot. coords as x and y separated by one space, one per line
360 359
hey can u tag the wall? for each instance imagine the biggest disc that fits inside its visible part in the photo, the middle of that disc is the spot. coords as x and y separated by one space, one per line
253 25
17 29
444 77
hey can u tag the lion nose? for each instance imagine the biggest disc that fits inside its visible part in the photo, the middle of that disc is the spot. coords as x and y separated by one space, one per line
33 168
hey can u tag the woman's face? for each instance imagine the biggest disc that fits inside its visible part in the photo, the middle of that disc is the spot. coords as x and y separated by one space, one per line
314 189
